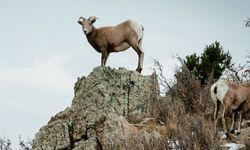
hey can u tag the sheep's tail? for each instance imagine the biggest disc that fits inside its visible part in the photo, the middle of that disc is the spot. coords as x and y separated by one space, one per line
213 92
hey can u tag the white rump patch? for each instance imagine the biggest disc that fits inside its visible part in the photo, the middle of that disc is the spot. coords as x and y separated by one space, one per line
222 88
137 28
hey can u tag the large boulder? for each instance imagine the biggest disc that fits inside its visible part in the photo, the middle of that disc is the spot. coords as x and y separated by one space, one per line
105 114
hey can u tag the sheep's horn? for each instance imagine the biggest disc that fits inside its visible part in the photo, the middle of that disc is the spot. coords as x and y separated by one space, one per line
81 20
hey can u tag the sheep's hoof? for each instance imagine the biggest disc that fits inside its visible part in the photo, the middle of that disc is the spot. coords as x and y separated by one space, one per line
232 131
139 70
231 136
224 136
237 133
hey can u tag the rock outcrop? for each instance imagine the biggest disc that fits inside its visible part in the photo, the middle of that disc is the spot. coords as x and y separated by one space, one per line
105 114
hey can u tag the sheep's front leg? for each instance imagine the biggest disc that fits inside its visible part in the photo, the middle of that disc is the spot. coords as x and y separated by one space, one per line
104 58
233 122
240 121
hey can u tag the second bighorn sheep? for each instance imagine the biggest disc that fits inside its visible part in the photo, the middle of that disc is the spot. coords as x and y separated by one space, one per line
233 97
114 38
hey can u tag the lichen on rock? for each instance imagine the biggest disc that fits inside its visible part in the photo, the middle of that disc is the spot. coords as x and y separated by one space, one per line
106 106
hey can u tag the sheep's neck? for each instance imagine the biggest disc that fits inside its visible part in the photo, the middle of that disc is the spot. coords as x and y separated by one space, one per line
91 38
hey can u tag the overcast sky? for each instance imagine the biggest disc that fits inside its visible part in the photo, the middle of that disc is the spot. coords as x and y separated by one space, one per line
43 49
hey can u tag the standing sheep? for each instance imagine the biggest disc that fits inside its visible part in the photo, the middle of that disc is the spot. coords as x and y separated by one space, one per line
233 97
106 40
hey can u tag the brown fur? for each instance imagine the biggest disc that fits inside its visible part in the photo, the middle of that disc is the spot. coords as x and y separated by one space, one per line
236 99
113 39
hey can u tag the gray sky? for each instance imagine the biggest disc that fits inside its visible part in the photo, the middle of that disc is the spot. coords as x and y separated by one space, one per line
43 49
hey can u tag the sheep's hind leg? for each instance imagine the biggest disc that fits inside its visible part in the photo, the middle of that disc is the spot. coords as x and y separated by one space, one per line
216 110
136 46
224 120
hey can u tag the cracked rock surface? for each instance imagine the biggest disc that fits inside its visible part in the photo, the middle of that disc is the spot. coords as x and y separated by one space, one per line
104 114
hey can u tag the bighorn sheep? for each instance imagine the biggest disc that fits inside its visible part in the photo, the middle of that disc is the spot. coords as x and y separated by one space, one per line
233 97
114 38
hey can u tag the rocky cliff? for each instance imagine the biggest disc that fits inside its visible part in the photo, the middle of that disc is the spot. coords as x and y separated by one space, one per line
111 109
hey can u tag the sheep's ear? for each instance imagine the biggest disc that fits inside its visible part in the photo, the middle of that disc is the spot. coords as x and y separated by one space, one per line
92 19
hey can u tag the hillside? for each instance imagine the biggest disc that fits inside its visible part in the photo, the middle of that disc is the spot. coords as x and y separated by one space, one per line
121 109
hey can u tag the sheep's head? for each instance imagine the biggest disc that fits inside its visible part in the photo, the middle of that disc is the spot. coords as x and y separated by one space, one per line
87 24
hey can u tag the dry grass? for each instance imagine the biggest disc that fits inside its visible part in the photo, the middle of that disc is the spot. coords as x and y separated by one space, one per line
184 111
192 131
